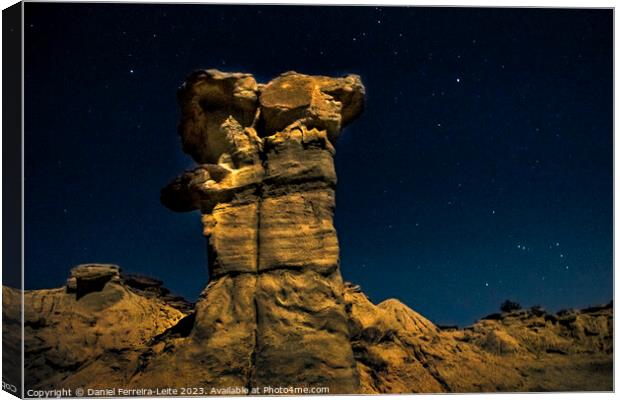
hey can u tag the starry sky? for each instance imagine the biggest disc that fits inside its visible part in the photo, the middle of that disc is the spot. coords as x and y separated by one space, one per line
480 170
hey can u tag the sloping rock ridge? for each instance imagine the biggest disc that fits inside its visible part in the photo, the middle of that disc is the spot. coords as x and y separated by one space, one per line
92 332
132 336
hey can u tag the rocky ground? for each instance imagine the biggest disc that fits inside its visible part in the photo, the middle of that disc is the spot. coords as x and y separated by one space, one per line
107 329
400 351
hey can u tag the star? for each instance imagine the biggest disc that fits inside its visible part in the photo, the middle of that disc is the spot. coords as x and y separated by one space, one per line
458 80
131 71
486 284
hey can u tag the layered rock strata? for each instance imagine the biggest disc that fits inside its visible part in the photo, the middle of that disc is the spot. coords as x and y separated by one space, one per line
265 187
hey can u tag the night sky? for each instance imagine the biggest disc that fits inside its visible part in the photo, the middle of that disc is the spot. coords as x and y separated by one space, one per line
480 170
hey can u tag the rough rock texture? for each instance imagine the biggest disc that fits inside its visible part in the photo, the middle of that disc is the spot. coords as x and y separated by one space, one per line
265 188
95 334
130 336
399 351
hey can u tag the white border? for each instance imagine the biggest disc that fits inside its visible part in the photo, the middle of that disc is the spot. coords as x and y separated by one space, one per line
479 3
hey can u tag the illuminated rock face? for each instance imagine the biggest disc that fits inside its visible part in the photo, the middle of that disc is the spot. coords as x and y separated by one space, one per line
265 186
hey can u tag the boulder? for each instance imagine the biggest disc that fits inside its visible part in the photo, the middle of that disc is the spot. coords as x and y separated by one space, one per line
87 278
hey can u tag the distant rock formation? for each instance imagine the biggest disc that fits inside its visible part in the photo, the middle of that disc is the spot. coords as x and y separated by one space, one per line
399 351
266 189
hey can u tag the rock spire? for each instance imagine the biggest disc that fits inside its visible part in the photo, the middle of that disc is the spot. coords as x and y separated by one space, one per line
273 313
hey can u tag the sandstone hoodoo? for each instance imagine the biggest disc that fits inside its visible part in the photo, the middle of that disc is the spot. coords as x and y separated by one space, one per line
276 312
265 186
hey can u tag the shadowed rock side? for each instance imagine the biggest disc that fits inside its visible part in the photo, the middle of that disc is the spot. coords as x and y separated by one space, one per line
133 334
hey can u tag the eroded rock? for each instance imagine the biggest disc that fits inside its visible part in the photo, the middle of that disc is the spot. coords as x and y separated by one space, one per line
318 102
215 108
276 312
399 351
87 278
94 336
265 188
134 338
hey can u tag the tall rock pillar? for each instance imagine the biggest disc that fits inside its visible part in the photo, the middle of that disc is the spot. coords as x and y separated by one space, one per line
273 312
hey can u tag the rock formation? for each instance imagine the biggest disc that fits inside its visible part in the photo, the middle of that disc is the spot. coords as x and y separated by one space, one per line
265 187
131 333
92 332
276 312
399 351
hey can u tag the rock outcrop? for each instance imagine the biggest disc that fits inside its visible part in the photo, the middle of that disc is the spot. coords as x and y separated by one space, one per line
130 335
399 351
94 330
265 188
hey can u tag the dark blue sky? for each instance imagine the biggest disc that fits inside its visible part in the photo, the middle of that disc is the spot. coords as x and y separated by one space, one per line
480 170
